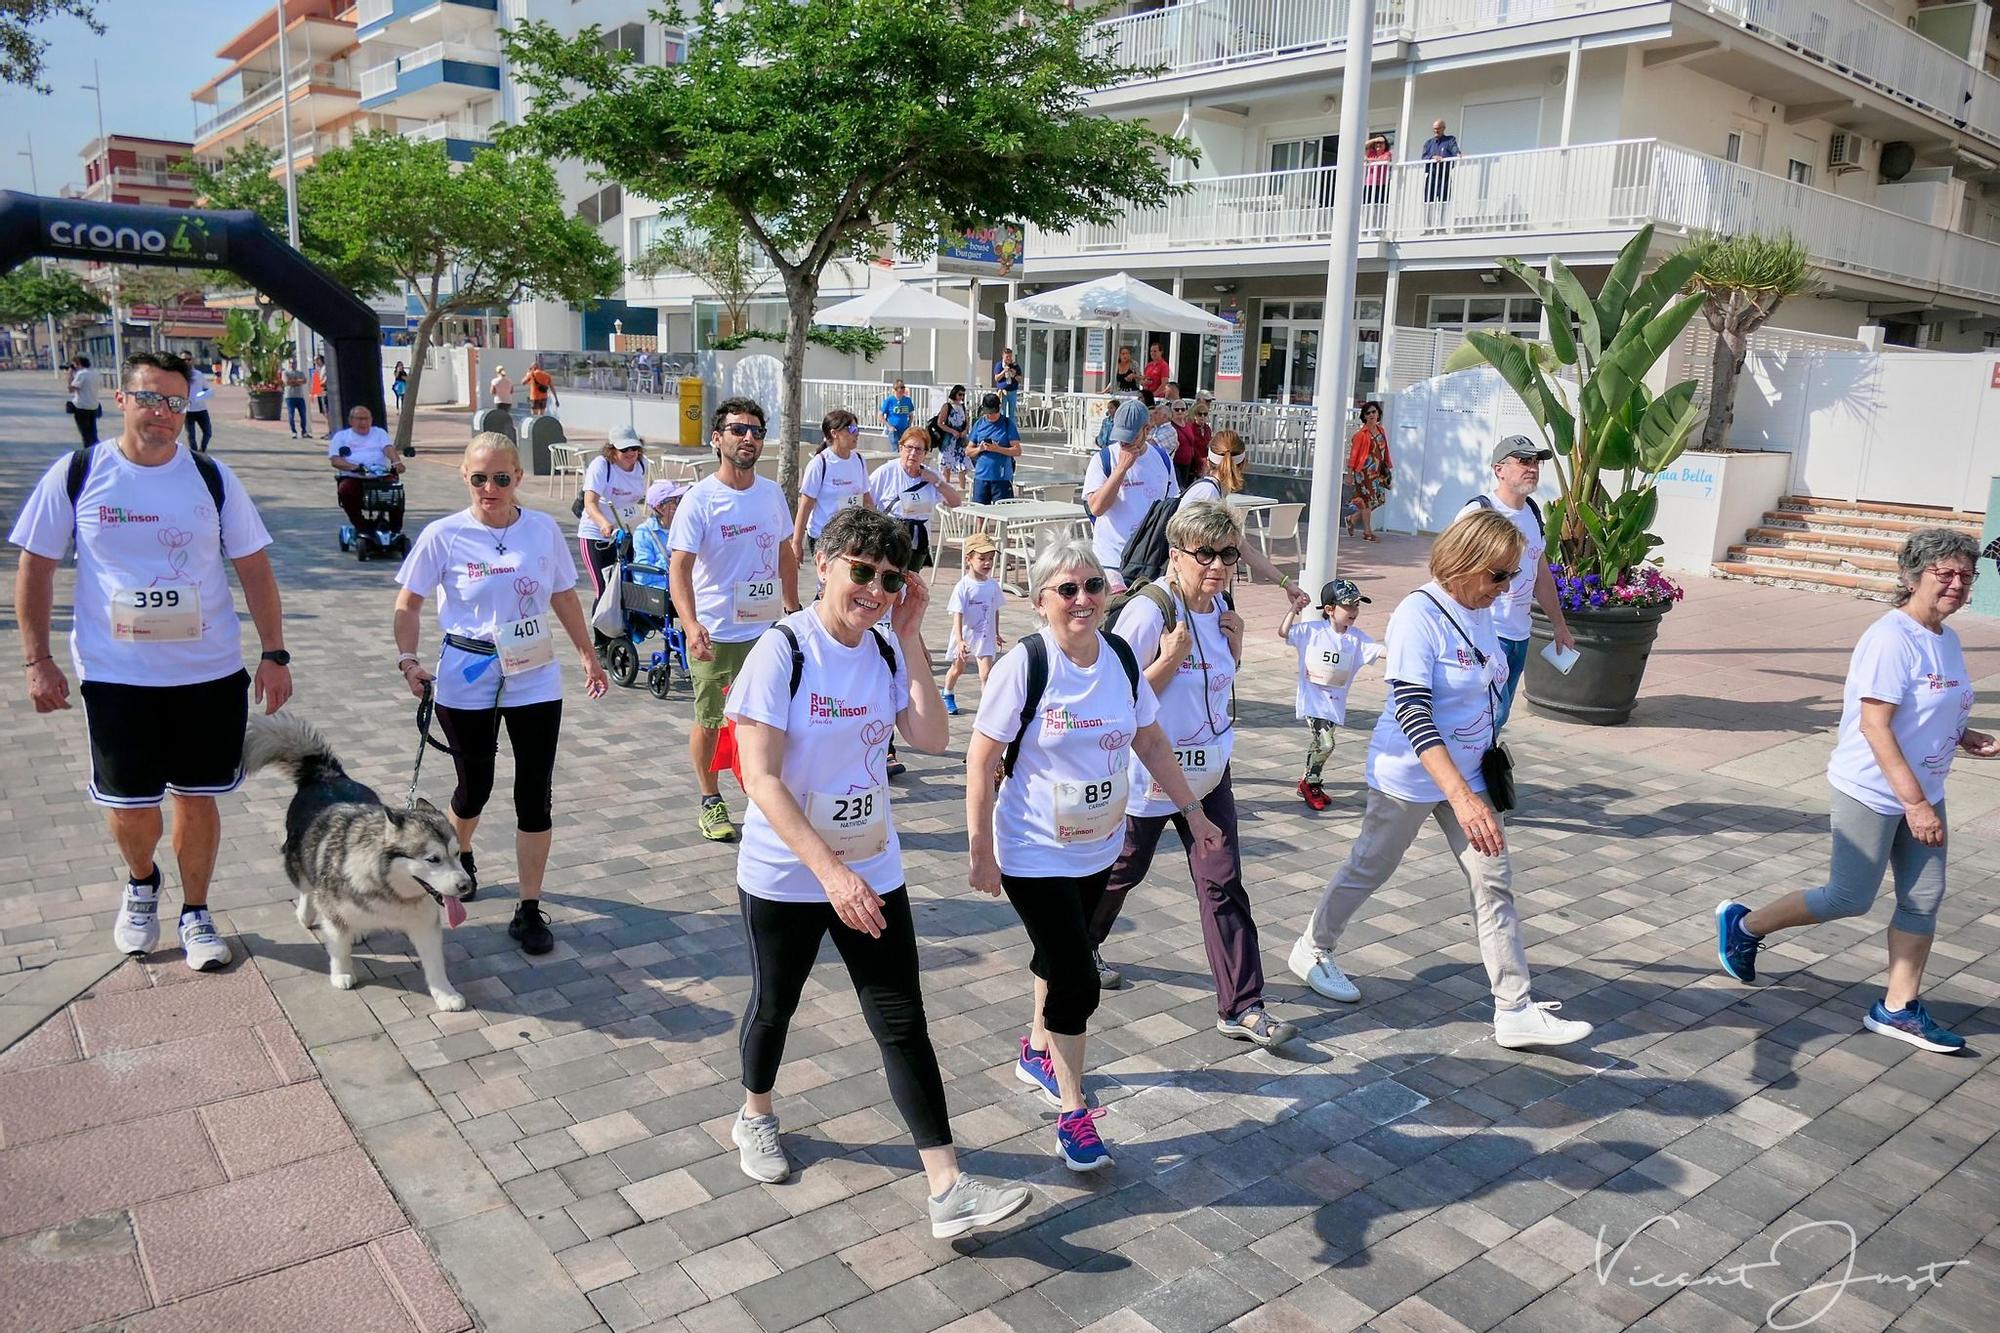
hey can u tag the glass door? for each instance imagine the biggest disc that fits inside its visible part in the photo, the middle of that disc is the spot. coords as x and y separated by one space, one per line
1288 351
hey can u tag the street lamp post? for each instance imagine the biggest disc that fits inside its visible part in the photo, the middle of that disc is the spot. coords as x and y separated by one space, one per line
35 184
1336 367
96 86
291 176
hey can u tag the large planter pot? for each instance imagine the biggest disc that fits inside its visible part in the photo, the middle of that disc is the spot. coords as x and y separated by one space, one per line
1603 686
264 404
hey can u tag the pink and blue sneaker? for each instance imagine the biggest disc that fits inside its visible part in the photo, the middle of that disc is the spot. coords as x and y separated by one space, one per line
1037 1070
1735 947
1915 1026
1078 1141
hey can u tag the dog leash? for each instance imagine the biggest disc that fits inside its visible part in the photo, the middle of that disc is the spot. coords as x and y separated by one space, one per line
426 707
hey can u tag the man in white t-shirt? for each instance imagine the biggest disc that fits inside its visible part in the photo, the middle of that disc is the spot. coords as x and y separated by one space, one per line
1517 471
83 399
155 640
363 449
1123 481
733 573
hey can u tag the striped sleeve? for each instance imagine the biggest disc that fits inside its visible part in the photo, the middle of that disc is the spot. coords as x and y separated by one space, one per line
1412 704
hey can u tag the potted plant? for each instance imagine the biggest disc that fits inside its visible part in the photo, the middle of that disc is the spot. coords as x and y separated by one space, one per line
261 346
1612 438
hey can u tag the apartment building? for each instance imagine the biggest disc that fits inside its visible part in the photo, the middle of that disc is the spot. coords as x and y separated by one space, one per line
1871 132
130 169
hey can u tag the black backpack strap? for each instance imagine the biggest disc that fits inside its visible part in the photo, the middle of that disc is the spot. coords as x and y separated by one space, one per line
1037 651
1536 510
79 472
1123 651
882 647
798 656
1484 501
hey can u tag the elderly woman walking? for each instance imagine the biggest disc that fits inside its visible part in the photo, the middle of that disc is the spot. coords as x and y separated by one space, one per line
1426 760
1902 721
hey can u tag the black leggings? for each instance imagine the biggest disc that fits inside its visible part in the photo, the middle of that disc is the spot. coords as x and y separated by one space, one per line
474 736
784 942
1057 915
600 556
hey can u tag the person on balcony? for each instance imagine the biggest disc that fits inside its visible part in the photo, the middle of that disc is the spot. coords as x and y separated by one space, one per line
1375 178
1439 150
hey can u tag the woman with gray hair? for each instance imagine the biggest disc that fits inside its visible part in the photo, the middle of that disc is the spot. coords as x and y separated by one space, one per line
1902 721
1187 638
1060 718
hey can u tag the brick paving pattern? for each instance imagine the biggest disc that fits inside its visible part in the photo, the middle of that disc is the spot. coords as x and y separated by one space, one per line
562 1146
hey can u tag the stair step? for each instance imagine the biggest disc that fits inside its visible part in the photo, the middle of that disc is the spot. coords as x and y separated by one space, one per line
1859 542
1852 522
1880 509
1809 557
1785 576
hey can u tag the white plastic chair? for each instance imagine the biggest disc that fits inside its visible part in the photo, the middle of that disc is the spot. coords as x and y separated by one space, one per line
949 527
563 462
1279 523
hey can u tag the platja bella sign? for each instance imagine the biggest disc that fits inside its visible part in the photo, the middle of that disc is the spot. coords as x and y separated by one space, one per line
129 233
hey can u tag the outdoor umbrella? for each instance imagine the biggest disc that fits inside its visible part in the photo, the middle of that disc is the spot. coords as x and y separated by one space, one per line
1119 300
896 306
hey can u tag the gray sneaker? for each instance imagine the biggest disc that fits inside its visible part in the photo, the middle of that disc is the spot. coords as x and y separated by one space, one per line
760 1157
971 1204
1108 977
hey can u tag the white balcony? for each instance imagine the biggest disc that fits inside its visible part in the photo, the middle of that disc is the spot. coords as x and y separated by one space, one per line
267 96
465 53
1543 200
378 80
372 11
441 130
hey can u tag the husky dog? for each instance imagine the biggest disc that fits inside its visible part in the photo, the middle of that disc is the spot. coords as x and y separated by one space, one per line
358 864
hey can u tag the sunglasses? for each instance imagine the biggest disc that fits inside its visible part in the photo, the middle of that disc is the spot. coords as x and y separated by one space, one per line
851 429
501 480
631 448
1502 575
1091 587
743 430
892 580
1949 576
173 402
1208 555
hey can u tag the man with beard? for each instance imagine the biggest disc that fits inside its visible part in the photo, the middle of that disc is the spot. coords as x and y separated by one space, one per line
733 574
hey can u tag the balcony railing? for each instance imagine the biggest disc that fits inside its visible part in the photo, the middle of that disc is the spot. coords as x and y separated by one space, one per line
266 96
372 11
381 80
1551 192
449 129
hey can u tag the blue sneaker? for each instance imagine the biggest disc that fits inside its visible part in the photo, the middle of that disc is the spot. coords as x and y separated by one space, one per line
950 704
1078 1142
1735 946
1914 1025
1037 1070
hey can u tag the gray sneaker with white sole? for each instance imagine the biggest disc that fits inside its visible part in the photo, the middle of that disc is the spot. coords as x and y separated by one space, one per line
760 1155
970 1204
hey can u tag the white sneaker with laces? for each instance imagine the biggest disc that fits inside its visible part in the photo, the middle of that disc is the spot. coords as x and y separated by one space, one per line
1316 968
761 1157
206 950
1536 1025
137 930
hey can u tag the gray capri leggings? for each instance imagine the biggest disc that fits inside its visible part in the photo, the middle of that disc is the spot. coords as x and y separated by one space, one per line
1865 846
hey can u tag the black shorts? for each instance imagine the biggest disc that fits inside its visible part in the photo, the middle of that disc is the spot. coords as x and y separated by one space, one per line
148 740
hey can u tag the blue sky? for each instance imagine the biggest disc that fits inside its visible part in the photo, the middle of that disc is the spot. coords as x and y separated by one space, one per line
152 55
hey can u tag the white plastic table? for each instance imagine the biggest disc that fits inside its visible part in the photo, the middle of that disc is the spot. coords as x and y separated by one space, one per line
1007 517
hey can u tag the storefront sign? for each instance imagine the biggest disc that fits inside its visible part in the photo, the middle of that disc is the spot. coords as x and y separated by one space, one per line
1093 353
985 252
1229 357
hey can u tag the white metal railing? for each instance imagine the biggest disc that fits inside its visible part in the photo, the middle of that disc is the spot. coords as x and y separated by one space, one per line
448 129
466 52
265 96
371 11
161 180
1591 187
378 80
1277 437
864 399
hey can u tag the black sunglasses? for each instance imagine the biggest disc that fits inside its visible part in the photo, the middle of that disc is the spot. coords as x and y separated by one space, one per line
1502 575
1093 586
500 479
1208 555
892 580
173 402
740 429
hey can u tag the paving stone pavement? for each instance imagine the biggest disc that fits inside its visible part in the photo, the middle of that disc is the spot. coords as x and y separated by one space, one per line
562 1146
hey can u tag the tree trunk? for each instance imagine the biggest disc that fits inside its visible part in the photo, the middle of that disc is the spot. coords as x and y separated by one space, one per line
406 420
801 291
1725 362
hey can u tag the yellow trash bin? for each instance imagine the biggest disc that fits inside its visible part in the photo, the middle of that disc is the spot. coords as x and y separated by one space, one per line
694 427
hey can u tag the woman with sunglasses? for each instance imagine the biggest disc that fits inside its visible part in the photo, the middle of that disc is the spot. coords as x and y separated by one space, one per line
1903 720
1368 471
834 476
1188 639
814 707
1445 668
501 571
1218 474
1047 838
907 489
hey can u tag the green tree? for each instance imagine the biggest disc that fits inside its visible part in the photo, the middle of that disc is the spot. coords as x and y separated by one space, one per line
829 127
20 50
715 247
1745 279
30 296
243 179
260 344
462 239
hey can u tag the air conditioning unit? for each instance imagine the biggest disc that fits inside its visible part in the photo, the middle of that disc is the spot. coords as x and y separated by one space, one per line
1845 151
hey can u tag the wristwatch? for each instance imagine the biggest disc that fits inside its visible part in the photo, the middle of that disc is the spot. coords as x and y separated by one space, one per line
278 657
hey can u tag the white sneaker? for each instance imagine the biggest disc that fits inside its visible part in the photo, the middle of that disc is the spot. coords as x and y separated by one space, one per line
761 1157
1316 968
138 927
206 950
1535 1025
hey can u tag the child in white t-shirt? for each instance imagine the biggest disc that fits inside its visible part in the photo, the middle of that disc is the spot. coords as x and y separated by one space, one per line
1331 649
975 616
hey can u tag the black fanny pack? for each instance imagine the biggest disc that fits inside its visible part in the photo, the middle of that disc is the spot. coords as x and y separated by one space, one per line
1496 765
477 647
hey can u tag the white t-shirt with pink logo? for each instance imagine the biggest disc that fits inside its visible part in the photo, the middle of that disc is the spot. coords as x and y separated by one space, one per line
837 732
482 591
1900 662
734 537
1082 737
146 534
1196 708
1428 646
979 602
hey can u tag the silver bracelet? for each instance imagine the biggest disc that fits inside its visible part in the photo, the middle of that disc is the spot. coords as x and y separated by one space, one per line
408 659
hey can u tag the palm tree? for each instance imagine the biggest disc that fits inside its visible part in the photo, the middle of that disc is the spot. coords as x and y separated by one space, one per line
1745 278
